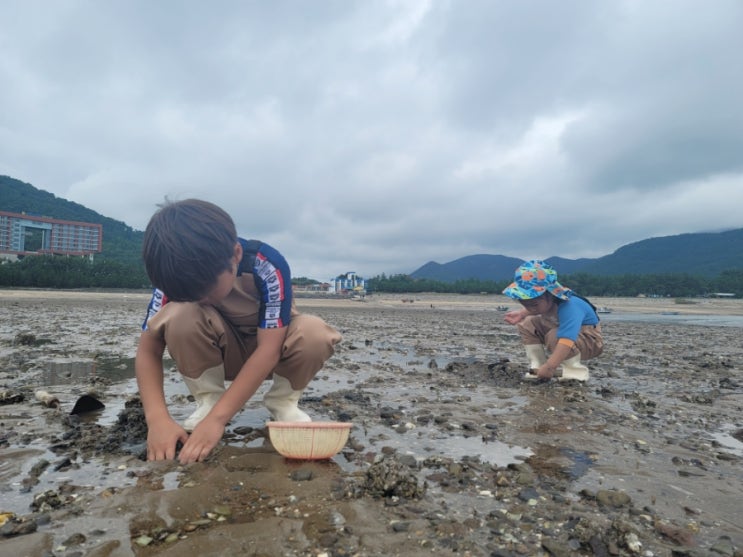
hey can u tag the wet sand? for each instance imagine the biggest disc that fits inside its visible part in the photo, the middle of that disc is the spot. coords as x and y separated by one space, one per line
451 452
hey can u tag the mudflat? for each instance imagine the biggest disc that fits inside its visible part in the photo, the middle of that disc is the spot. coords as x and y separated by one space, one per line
451 452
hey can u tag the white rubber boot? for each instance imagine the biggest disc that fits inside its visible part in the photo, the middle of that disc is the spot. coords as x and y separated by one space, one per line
537 358
573 369
281 400
206 389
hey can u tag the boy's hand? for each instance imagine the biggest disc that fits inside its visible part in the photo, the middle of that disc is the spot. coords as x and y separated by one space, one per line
162 439
203 439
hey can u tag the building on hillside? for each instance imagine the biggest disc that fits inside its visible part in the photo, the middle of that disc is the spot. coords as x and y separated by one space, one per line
350 283
22 234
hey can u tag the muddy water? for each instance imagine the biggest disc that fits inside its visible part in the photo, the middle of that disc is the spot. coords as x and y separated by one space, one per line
435 383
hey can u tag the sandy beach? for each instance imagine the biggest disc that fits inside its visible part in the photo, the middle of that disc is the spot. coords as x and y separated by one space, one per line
451 452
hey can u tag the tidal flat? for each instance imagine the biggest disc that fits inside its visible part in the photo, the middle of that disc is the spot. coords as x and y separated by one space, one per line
451 452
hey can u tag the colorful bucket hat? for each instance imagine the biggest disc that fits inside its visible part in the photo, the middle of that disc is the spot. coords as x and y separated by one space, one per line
534 278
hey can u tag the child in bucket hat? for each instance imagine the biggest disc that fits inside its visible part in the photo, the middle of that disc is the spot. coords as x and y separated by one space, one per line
555 318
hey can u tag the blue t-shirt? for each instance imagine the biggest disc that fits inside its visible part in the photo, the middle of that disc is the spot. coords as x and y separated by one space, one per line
572 314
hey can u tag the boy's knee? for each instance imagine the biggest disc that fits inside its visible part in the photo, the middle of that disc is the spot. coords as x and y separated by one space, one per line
311 334
186 319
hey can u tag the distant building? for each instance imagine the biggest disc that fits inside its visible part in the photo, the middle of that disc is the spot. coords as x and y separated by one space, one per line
350 283
22 234
315 288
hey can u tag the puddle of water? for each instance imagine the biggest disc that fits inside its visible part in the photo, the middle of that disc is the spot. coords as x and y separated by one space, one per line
407 357
94 474
63 379
680 319
727 440
581 462
423 442
171 480
66 372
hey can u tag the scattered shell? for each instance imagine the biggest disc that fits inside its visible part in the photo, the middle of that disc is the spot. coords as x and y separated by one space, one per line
47 399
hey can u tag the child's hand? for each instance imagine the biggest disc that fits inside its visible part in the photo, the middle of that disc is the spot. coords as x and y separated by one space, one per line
515 316
202 440
546 372
162 439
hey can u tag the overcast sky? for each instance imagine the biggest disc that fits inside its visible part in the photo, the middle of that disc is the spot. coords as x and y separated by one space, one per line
375 136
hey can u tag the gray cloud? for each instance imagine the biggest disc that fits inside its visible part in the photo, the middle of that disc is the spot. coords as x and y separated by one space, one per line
378 136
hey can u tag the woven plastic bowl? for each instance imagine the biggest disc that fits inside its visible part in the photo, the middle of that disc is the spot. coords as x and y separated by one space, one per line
308 440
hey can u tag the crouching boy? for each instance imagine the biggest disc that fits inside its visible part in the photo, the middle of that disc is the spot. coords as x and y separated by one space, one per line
223 307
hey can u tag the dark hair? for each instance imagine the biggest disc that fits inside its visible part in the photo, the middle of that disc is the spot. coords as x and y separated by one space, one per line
187 245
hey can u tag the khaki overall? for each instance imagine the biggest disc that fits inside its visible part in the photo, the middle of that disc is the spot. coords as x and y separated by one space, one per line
200 336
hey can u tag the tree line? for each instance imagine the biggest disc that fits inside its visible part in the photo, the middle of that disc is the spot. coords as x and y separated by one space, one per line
58 271
55 271
628 285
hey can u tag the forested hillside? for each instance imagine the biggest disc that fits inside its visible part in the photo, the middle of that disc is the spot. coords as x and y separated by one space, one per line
120 242
700 254
705 253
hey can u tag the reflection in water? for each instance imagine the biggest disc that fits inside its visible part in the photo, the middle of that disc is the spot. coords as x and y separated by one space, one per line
70 372
678 319
729 441
62 373
581 462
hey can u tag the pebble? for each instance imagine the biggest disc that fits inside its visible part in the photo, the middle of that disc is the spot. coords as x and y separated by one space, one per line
611 498
222 510
724 546
633 542
301 475
401 526
143 541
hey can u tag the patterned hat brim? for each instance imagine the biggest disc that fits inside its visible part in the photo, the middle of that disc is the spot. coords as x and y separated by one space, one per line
514 291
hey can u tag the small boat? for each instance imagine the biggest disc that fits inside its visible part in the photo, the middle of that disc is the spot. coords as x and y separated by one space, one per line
603 309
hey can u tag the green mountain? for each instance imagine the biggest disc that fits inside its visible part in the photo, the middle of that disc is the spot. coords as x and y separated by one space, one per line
699 254
704 254
120 242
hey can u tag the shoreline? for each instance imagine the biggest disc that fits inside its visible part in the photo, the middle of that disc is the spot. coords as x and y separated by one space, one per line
471 302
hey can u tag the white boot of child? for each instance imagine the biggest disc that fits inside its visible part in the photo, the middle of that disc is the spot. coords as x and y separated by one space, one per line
573 369
281 400
537 358
206 389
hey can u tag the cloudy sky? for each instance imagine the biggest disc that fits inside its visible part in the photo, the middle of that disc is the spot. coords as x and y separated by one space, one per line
375 136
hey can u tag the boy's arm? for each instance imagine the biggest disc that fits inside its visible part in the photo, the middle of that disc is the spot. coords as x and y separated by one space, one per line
162 431
257 367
